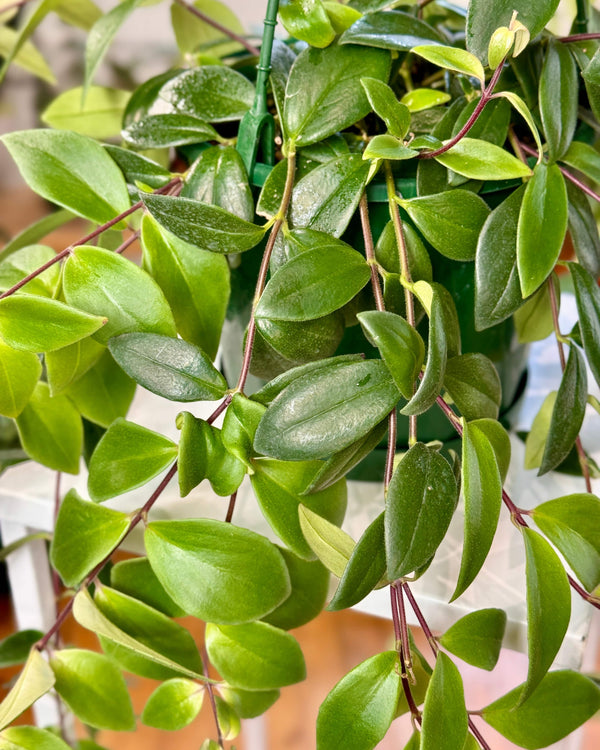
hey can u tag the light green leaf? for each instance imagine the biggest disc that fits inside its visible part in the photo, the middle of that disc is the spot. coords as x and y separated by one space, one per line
307 21
480 160
173 705
499 440
25 260
136 578
452 58
525 113
534 319
391 29
195 35
36 232
99 117
14 47
248 704
477 637
418 100
445 722
19 373
384 103
341 16
587 296
388 147
474 385
30 738
330 544
536 439
35 680
239 427
558 98
65 366
584 158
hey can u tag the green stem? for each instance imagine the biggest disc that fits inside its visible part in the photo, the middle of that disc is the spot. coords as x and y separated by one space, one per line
581 20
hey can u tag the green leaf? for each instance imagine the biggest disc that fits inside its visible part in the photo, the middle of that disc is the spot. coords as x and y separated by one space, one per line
208 227
483 19
239 427
314 284
572 524
587 296
474 385
401 347
482 489
137 168
14 46
562 702
193 34
499 440
452 58
384 103
98 531
391 29
421 500
480 160
296 342
50 430
71 170
542 226
497 287
419 100
584 158
93 688
450 221
445 721
568 412
35 680
163 131
534 320
548 608
326 411
173 705
213 93
151 629
65 366
127 456
19 374
15 648
25 260
248 704
34 233
216 571
536 439
366 567
30 738
583 230
324 94
388 147
558 98
307 21
491 125
137 579
477 637
359 710
330 544
278 487
341 16
310 586
98 117
525 113
82 13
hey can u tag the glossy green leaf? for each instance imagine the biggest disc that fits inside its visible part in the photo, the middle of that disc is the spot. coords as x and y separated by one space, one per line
587 296
25 260
194 34
173 705
474 385
98 531
162 131
71 170
50 430
584 158
255 656
30 738
278 487
229 721
15 648
445 721
419 100
136 578
209 227
359 710
572 524
388 147
534 320
499 440
248 704
65 366
19 374
391 29
37 324
482 489
341 16
583 230
153 630
480 160
98 117
450 221
307 21
325 411
330 544
548 608
94 689
35 680
324 94
102 283
216 571
542 226
452 58
127 456
525 113
385 104
310 586
296 342
477 637
401 347
536 439
137 168
314 284
562 702
558 98
421 500
239 427
483 19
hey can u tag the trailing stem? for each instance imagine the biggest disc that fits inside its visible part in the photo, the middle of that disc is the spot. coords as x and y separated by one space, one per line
211 698
571 177
223 29
403 648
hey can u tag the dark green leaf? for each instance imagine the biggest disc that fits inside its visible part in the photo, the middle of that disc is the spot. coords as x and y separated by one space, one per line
421 500
480 160
491 125
330 544
302 341
137 168
477 637
542 226
15 648
324 95
548 608
162 131
209 227
584 158
562 702
326 411
94 689
583 230
173 705
255 656
391 29
500 441
71 170
127 457
445 721
558 97
591 76
19 374
137 579
384 103
474 385
216 571
307 21
587 295
359 710
98 531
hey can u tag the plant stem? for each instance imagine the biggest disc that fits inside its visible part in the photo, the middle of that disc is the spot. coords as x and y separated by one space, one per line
370 252
129 241
231 507
55 576
581 20
216 25
579 37
211 697
571 177
403 648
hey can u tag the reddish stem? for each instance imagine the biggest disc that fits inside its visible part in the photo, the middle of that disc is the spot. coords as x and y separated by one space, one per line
211 698
579 37
569 175
216 25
